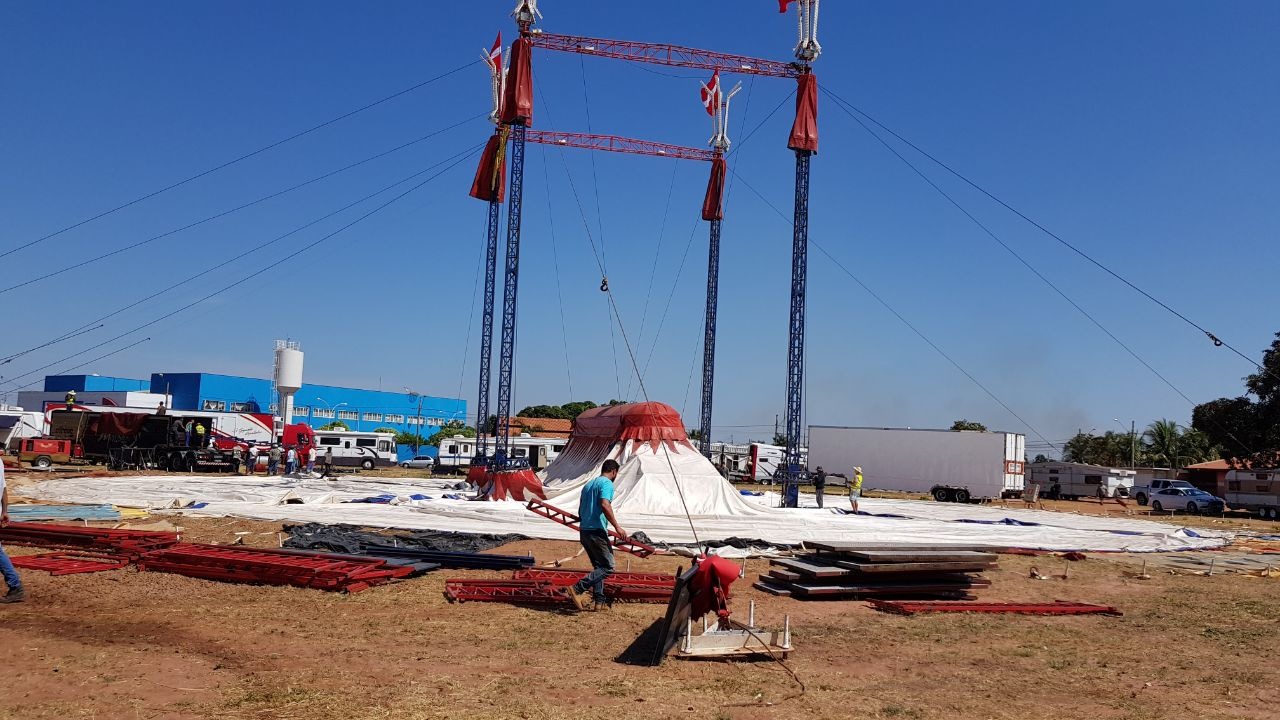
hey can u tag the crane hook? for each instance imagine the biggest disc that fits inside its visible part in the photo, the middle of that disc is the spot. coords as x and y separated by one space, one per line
604 284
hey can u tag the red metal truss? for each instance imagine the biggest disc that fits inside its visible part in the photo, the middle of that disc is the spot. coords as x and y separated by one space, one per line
266 566
126 542
569 577
613 143
1058 607
570 521
530 592
666 54
70 563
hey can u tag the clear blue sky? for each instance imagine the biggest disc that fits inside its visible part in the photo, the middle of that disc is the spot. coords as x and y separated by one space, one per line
1145 132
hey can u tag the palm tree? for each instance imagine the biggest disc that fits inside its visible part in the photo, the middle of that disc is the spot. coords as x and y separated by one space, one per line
1161 439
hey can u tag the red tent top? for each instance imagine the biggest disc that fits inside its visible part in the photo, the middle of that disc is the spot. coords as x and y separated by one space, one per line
647 421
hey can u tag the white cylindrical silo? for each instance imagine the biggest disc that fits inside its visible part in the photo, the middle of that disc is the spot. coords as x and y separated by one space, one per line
288 376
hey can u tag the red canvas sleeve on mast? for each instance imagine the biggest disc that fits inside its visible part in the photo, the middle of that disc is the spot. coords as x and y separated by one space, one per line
713 203
489 184
804 132
517 102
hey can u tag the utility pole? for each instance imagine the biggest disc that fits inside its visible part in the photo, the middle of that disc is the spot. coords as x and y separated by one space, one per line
1133 444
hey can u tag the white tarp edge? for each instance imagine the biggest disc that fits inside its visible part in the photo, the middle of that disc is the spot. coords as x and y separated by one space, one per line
315 500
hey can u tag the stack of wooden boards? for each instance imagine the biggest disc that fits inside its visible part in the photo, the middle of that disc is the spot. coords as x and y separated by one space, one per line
836 571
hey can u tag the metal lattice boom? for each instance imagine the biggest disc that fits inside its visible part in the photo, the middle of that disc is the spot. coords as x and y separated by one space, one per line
506 355
709 337
666 54
486 328
613 143
794 470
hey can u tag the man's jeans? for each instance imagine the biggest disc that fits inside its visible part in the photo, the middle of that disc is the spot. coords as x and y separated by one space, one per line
596 543
6 568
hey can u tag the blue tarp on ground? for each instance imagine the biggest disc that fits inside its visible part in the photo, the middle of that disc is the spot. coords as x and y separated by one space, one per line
28 513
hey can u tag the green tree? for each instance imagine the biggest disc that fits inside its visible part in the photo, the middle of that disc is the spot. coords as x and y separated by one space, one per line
780 439
695 435
1247 427
567 411
335 425
1167 444
1041 458
391 430
1109 449
448 430
404 437
968 425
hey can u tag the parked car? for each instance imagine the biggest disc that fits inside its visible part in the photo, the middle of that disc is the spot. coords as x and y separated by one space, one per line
1192 500
1144 493
421 462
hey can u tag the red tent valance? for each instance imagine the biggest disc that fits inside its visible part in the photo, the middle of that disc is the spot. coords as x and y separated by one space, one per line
517 102
713 203
804 131
488 184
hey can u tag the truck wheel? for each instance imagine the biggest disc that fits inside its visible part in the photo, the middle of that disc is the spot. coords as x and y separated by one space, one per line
1270 513
942 494
962 496
43 462
1156 506
1142 498
367 464
175 462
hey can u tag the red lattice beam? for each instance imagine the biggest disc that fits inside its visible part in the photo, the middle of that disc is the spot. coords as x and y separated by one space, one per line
666 54
613 143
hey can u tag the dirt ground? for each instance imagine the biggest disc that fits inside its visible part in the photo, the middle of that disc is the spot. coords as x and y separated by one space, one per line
125 644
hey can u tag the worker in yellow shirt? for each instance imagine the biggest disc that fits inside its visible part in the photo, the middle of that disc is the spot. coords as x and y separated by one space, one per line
855 488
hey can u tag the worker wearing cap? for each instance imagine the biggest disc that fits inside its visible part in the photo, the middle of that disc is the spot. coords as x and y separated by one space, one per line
70 399
595 507
819 483
855 488
11 579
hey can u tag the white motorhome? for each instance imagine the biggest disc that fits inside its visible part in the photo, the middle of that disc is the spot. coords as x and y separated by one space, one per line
1076 480
456 452
365 450
16 423
946 464
1257 490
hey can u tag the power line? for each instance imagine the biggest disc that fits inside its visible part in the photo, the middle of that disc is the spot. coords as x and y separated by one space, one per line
1023 261
457 159
75 333
848 107
241 158
262 246
238 208
898 315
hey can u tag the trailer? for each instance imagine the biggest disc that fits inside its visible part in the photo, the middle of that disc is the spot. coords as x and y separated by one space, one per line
16 424
457 452
951 466
141 440
1253 490
1073 481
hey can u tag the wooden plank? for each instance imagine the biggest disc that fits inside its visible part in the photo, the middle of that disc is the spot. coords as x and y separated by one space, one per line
936 547
914 567
883 591
784 575
809 569
771 588
900 556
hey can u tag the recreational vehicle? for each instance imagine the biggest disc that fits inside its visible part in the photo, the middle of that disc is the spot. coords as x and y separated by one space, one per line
1076 480
456 452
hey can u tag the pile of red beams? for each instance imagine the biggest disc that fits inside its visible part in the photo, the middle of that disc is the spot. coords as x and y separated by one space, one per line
551 587
90 549
272 566
127 543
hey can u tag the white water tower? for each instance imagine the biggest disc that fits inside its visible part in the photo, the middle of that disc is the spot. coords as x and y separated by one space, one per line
288 376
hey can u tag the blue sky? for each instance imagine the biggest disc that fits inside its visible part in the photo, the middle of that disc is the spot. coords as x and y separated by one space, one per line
1144 132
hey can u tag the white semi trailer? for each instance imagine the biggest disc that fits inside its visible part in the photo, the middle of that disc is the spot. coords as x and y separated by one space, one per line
950 466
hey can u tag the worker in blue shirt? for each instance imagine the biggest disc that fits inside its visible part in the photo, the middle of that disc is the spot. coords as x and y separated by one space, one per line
595 507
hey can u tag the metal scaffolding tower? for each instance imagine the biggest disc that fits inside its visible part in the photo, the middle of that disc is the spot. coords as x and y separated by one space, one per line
510 288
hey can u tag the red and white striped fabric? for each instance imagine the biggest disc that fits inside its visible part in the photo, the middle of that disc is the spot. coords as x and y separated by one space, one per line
495 53
711 94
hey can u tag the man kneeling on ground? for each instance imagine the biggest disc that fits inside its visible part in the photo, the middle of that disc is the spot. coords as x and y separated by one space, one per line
594 508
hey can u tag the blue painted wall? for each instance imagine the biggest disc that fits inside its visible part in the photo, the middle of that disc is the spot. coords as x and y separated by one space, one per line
93 383
362 410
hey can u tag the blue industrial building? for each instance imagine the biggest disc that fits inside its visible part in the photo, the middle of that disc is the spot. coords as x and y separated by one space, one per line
316 405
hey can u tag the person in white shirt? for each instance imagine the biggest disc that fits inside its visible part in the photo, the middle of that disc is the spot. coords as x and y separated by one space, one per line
11 580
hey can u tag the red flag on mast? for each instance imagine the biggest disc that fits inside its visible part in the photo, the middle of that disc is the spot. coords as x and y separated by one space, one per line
495 53
711 94
782 5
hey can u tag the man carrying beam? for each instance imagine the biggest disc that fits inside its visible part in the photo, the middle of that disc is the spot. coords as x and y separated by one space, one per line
595 507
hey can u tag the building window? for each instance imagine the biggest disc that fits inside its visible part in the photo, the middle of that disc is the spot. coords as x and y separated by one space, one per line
214 405
348 415
323 413
415 421
395 418
373 417
241 407
302 410
434 421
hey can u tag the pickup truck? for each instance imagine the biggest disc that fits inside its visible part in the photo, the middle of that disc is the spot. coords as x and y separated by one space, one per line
1143 493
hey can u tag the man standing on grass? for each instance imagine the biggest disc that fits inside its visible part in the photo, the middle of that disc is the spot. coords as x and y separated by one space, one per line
11 580
595 507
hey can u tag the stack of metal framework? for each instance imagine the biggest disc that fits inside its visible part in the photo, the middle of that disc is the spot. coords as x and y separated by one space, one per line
840 571
270 566
551 587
